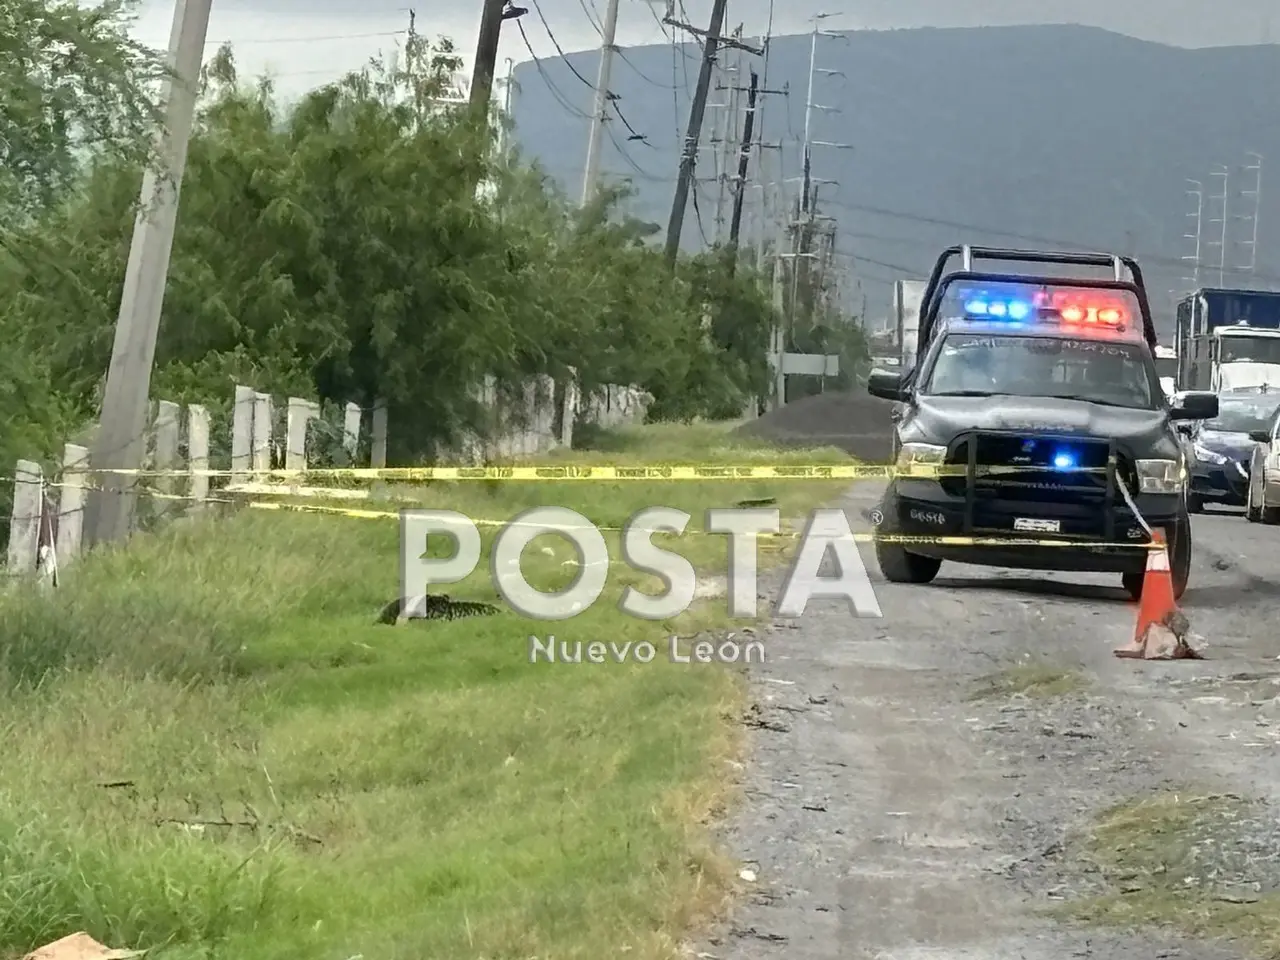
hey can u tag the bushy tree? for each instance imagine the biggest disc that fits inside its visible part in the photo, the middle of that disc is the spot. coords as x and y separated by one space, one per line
337 249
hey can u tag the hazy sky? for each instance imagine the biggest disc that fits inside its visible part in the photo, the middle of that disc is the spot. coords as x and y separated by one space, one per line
309 43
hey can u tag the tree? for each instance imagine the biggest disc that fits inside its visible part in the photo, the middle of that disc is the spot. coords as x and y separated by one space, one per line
335 249
72 82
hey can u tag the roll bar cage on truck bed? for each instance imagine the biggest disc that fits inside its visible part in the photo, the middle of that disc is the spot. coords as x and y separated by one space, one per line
1126 275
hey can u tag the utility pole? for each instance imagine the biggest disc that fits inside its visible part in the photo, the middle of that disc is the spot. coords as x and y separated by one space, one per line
1221 243
728 138
120 443
1255 167
744 159
697 111
486 62
1196 192
599 112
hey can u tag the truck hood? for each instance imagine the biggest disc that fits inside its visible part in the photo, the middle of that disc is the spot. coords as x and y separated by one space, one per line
1246 373
944 417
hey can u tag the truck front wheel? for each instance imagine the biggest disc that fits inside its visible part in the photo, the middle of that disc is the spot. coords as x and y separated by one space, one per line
896 563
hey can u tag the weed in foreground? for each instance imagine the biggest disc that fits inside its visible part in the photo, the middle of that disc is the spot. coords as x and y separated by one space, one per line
211 749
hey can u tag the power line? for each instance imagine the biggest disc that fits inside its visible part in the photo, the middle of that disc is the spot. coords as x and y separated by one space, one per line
542 72
978 228
336 36
556 43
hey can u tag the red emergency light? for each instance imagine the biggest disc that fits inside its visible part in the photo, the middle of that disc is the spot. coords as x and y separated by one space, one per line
1090 312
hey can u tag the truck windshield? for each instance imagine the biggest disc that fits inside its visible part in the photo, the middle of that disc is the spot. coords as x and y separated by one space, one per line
1252 349
1115 374
1243 416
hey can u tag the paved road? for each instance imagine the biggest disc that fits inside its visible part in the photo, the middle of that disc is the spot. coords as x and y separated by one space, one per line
889 816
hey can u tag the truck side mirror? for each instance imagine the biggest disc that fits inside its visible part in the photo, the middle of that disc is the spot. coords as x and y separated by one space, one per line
1194 405
887 386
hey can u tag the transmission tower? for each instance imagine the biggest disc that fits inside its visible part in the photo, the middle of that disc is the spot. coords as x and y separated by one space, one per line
1223 202
1196 193
1250 266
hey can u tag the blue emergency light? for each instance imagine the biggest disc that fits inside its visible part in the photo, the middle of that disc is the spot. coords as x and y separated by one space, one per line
1064 460
998 309
1064 307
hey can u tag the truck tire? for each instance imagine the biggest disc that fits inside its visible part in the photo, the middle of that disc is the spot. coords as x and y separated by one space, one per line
1178 536
897 563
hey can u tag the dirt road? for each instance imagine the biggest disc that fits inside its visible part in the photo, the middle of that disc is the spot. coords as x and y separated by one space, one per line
920 782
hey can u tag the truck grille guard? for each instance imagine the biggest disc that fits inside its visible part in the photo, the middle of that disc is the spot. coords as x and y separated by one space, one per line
1095 484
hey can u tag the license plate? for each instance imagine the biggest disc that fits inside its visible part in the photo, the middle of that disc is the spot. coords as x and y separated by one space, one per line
1033 525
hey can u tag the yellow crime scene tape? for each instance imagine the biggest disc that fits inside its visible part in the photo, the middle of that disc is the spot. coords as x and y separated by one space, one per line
248 494
605 473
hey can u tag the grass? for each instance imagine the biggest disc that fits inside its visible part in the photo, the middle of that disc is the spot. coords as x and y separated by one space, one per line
1029 680
1174 860
211 750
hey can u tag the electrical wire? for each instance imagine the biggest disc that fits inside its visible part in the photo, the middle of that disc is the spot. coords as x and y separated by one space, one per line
556 43
626 123
697 215
336 36
1011 235
542 72
642 173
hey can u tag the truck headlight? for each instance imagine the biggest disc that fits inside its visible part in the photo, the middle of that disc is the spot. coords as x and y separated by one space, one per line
921 459
1209 456
1159 476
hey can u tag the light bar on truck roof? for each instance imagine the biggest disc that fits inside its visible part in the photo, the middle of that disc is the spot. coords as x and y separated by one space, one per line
1090 312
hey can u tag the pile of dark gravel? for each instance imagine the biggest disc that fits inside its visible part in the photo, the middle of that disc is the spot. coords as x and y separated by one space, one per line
855 422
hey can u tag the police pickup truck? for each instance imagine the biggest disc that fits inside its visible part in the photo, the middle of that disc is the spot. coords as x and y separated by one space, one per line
1032 432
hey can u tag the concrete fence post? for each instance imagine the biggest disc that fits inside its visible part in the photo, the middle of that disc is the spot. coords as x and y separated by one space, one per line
71 501
24 524
168 427
379 457
298 414
261 432
351 431
242 434
198 452
570 409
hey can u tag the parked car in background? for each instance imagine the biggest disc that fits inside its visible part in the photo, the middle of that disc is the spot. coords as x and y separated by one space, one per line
1223 448
1262 503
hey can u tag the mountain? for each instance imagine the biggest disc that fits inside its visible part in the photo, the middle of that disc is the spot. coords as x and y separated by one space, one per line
1031 136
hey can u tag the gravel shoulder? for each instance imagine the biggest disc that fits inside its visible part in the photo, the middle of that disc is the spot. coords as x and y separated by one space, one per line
919 785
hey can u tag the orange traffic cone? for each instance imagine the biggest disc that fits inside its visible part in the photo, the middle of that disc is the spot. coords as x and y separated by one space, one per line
1160 633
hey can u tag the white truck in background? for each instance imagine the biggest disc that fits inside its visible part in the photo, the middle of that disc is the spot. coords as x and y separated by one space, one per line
907 297
1167 369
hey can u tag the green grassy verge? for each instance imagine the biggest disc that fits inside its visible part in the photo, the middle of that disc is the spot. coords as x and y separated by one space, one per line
1181 861
210 749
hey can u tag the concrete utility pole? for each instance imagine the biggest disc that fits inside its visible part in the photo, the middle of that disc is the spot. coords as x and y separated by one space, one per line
744 159
120 443
1224 199
600 109
486 62
697 110
1197 194
727 145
